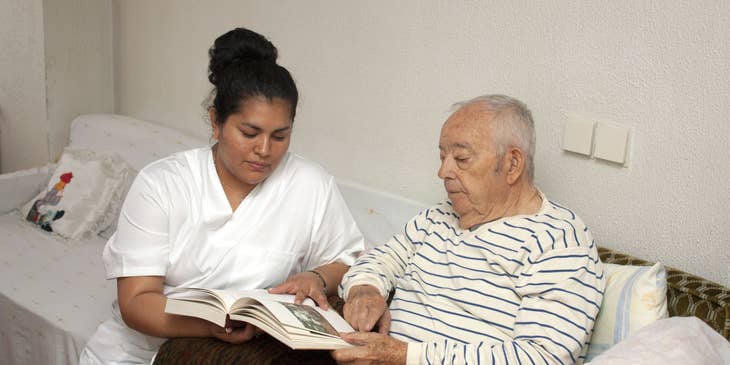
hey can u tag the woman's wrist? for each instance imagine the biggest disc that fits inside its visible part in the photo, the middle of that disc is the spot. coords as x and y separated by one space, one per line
321 278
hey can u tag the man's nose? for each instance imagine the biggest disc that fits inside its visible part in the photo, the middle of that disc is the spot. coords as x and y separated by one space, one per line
445 170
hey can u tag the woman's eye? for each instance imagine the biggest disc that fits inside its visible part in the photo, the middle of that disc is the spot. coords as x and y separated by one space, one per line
278 138
248 135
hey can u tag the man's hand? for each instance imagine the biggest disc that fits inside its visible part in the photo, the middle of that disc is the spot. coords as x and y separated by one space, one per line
372 348
303 285
365 307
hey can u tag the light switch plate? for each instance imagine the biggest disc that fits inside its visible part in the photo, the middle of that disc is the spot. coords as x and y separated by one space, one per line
612 142
578 135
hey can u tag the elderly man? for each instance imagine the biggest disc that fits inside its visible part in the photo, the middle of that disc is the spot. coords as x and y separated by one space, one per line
495 274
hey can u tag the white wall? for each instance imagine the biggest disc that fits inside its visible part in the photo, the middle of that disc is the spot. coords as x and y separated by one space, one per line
55 63
22 85
79 67
377 79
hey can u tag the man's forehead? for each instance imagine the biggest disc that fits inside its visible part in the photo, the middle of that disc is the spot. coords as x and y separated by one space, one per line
465 129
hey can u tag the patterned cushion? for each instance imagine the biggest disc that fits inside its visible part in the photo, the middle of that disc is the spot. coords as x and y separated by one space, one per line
688 295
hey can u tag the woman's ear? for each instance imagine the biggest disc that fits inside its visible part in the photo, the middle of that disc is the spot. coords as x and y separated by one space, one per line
515 164
213 122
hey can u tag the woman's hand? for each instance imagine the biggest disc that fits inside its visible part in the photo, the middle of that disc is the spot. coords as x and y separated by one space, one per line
303 285
234 332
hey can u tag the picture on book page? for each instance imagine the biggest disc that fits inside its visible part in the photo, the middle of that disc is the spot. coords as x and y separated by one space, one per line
310 318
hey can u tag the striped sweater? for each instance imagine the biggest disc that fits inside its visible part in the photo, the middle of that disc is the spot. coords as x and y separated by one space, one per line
519 290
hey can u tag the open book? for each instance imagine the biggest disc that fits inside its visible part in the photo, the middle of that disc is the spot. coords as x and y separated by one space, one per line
299 326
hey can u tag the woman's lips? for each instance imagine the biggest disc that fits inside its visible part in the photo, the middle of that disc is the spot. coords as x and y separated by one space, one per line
257 166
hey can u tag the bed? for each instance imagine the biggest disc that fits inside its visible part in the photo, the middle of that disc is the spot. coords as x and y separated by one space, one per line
53 293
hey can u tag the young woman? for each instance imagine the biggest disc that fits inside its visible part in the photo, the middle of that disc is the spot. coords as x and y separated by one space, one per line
242 214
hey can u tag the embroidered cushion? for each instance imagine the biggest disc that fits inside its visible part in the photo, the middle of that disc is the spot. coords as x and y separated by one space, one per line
82 196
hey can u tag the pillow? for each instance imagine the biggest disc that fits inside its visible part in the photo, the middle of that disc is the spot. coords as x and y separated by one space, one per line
75 203
635 296
670 341
115 206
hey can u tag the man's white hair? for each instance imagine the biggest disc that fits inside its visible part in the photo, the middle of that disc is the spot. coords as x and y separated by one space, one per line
512 126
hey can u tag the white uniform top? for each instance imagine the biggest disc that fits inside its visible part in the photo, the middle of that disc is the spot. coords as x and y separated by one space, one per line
176 222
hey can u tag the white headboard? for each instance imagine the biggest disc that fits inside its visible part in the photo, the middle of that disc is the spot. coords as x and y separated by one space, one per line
378 214
137 141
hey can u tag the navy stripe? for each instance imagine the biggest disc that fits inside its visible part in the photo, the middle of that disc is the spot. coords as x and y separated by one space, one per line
469 317
441 334
551 327
575 235
434 319
525 351
539 245
413 339
518 227
447 264
575 309
449 227
572 215
552 238
517 355
550 340
586 285
556 315
412 274
460 277
490 251
506 235
511 315
558 257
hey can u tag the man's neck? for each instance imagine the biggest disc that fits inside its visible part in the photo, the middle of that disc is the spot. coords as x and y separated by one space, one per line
522 200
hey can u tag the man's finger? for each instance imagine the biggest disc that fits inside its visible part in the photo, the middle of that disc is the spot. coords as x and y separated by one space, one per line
384 322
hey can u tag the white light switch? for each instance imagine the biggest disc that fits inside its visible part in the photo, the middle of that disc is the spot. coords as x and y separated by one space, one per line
612 143
578 135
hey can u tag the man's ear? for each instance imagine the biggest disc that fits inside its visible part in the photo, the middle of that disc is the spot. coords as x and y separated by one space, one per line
213 122
515 163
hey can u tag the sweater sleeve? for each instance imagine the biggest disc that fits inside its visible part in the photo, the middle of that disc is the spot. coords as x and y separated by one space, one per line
381 266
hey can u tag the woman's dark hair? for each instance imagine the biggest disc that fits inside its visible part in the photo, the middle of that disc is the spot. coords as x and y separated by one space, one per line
242 66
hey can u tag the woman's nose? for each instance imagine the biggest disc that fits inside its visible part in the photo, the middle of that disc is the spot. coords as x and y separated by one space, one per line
263 147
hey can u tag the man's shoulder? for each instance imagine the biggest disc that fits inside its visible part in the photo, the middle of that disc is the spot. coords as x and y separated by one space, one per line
554 227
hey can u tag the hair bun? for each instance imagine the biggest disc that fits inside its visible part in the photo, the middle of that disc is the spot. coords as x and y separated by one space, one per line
238 46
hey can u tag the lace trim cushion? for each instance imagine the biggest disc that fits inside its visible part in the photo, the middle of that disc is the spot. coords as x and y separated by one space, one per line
81 198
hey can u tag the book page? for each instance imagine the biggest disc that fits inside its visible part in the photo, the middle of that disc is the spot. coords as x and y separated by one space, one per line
308 317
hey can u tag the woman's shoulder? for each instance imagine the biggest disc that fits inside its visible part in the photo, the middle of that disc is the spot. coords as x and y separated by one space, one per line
295 166
182 164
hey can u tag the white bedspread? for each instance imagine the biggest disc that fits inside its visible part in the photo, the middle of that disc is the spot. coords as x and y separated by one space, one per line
670 341
48 323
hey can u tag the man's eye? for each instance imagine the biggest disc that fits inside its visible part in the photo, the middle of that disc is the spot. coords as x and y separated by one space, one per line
461 159
248 135
278 138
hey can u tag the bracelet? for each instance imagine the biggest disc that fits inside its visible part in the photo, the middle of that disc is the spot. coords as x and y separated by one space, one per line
321 278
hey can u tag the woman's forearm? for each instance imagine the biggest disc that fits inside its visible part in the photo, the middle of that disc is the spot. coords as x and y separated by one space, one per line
332 274
142 305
